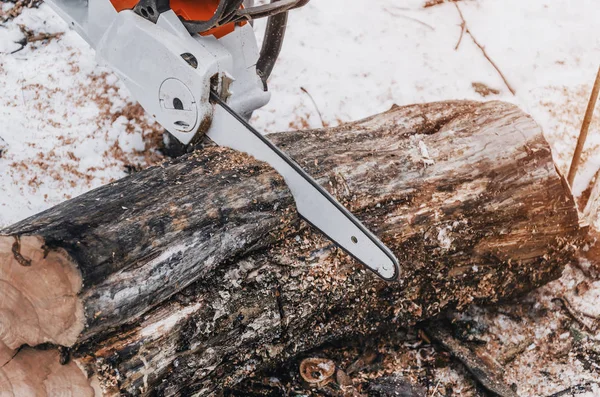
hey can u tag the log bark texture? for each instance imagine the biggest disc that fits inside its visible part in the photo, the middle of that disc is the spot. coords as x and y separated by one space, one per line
187 277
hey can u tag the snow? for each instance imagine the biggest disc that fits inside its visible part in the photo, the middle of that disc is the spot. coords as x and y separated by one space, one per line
68 125
11 37
65 135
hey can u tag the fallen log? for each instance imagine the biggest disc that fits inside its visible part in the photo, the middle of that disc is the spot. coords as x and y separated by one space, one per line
188 277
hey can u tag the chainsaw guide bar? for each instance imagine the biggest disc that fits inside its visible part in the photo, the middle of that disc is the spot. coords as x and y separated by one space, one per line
315 205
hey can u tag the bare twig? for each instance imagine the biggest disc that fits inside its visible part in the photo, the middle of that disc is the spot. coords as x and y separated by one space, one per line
579 389
32 37
482 48
315 104
585 126
580 318
462 33
409 18
487 376
432 3
18 49
44 36
435 388
512 353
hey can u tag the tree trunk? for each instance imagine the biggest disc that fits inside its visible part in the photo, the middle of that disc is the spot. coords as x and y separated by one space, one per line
187 277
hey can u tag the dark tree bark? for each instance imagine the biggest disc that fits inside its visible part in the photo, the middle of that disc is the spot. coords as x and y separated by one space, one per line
187 277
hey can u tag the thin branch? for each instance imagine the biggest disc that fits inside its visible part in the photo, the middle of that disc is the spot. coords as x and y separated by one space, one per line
462 33
579 389
44 36
315 104
409 18
578 317
485 54
585 126
483 373
436 388
433 3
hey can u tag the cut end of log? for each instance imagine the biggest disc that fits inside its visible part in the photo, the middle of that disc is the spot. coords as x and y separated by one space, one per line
39 373
39 295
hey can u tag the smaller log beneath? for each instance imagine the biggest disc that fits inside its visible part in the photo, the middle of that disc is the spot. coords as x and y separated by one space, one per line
39 291
40 373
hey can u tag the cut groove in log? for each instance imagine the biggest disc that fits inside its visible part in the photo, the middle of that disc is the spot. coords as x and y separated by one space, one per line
198 272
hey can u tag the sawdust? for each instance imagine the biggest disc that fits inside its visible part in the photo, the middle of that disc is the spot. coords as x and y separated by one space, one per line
484 90
17 9
432 3
403 354
300 123
62 165
540 347
100 92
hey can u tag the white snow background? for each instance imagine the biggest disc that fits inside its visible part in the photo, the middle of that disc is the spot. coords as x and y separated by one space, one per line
63 133
68 125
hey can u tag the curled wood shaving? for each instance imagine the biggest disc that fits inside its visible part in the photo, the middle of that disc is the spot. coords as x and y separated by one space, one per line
317 371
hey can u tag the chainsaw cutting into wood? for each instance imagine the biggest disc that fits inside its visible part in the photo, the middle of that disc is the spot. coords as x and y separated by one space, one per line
195 66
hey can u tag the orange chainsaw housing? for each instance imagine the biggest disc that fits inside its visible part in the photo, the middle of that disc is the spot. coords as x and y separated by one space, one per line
190 10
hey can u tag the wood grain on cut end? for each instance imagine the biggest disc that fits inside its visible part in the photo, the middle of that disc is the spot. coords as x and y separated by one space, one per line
38 295
39 373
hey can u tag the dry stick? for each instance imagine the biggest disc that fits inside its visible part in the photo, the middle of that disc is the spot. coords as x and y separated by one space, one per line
392 13
587 120
436 388
432 3
579 388
485 54
315 104
44 36
484 374
462 33
576 316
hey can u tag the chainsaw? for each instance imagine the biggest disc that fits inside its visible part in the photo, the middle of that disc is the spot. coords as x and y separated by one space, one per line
195 67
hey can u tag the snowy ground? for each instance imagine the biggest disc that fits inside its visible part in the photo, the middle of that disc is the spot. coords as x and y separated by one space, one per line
67 125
